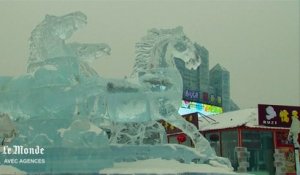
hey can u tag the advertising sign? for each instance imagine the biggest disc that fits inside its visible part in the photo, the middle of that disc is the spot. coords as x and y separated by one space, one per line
277 115
188 107
191 95
285 160
212 99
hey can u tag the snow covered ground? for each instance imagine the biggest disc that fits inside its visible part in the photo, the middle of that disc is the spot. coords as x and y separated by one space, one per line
160 166
150 166
10 170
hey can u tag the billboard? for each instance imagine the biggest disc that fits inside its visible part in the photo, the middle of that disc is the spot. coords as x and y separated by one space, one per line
188 107
204 97
277 115
191 95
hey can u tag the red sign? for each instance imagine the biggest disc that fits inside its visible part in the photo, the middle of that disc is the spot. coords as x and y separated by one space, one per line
277 115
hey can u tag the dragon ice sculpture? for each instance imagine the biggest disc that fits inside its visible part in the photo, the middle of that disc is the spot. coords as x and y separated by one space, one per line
60 85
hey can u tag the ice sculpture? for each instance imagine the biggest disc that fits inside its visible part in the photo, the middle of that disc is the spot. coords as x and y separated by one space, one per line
7 128
161 84
47 42
62 103
54 104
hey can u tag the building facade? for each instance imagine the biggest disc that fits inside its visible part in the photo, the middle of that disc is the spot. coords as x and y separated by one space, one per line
204 85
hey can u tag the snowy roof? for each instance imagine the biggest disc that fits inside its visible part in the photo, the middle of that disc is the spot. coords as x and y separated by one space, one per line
245 117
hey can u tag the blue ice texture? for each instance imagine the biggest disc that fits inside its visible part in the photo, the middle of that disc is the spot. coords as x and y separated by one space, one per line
86 122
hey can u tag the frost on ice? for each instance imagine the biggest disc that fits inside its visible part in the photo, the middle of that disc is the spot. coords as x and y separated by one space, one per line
61 103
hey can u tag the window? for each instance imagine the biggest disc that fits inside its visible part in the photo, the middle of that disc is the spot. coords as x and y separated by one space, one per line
261 148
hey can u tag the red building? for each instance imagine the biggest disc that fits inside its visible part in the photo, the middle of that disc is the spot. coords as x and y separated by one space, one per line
255 140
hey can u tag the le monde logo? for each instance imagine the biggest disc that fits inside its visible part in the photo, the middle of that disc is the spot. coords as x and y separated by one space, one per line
18 150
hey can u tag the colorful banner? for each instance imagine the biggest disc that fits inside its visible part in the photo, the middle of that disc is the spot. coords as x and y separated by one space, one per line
192 107
277 115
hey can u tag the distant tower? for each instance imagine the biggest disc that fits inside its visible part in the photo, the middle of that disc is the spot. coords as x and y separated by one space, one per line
220 82
195 81
189 77
203 71
204 85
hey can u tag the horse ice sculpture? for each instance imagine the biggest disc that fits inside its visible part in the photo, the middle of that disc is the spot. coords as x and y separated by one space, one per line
61 87
158 92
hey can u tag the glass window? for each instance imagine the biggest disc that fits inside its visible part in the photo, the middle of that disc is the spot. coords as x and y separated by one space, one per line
229 141
214 140
261 148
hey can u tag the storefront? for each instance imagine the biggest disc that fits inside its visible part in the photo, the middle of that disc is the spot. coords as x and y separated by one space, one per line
175 135
255 140
249 144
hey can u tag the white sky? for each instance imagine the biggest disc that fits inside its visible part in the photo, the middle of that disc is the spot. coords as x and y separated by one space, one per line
257 41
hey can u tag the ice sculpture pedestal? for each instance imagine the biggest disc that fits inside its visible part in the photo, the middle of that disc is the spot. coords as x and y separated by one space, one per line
65 147
62 160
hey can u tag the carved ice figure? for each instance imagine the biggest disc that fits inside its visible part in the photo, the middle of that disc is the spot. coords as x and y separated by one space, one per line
48 42
60 92
61 89
137 133
157 91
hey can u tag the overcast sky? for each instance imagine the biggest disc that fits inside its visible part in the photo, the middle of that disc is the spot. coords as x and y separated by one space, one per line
257 41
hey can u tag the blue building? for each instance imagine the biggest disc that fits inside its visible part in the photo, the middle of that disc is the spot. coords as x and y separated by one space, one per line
207 86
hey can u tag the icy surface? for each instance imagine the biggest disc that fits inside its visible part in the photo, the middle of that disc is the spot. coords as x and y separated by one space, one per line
61 103
138 133
161 166
55 105
7 128
10 170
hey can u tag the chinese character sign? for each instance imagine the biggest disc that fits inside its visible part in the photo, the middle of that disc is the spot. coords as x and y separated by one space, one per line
277 115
